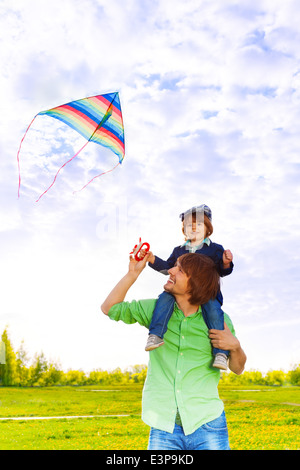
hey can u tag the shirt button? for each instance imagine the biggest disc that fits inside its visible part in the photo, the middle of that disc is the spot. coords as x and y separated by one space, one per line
182 337
179 372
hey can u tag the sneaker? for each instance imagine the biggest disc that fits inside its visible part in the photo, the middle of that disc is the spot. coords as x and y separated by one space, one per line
220 361
153 342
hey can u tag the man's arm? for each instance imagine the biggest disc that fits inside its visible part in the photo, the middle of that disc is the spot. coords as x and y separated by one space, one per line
224 339
119 292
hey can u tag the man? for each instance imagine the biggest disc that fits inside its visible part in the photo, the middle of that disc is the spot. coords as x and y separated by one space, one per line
180 397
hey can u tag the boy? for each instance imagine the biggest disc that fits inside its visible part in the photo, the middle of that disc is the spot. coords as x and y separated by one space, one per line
197 228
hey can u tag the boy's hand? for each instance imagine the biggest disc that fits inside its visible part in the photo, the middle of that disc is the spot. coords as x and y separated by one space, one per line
227 258
151 257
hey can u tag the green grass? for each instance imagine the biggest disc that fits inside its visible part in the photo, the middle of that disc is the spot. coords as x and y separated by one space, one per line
70 401
267 418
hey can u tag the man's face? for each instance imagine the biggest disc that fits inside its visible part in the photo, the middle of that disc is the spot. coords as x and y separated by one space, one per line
195 230
177 282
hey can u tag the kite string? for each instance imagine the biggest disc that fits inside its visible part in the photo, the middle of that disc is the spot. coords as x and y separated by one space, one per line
61 169
97 176
104 119
18 159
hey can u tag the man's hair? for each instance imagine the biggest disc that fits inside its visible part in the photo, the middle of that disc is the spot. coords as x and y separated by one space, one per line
204 280
208 225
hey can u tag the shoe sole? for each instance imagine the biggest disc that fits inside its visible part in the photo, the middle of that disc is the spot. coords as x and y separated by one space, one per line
220 366
154 346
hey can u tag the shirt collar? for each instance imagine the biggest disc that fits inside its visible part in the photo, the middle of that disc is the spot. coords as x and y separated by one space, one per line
187 244
199 311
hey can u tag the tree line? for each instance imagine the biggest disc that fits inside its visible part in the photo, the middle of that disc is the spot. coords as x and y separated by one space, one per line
19 370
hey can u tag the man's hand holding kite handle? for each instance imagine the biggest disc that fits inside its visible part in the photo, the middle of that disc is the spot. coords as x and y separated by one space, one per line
119 292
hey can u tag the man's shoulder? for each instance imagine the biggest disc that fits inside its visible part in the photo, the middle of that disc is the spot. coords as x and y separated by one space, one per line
147 304
135 311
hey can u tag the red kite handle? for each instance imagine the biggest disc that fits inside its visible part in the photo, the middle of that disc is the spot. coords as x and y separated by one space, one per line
137 249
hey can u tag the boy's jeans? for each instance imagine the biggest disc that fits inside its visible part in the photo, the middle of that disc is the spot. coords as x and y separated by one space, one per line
212 313
210 436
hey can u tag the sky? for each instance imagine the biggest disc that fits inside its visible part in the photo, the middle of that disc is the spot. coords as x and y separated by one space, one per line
210 95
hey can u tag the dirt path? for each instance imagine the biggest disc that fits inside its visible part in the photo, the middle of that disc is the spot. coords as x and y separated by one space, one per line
23 418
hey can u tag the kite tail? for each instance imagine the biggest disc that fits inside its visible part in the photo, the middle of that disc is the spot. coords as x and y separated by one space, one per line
104 119
61 169
18 159
97 176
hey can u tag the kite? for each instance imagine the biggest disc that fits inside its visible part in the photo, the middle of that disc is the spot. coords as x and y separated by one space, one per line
97 118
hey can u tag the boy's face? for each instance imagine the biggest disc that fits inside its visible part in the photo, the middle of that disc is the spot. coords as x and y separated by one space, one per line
194 228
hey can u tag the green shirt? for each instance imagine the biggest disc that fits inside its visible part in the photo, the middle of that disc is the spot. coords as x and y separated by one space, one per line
179 374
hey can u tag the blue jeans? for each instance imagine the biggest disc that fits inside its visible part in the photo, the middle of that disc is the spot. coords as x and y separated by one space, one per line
212 313
210 436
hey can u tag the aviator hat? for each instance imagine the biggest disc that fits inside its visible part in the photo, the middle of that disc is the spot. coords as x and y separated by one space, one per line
197 209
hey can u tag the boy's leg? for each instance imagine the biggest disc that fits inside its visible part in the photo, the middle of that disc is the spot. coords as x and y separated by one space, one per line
159 323
163 310
214 318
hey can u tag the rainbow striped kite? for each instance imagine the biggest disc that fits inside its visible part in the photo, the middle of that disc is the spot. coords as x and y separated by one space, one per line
97 118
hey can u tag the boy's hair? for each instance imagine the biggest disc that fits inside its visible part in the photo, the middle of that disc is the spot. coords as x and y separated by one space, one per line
207 223
204 279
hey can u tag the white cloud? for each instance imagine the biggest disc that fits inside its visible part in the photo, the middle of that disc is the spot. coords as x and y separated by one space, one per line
210 98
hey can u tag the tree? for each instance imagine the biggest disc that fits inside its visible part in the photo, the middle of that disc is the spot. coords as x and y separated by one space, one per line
75 377
8 371
139 373
294 375
117 376
52 376
38 368
98 376
22 365
2 352
275 377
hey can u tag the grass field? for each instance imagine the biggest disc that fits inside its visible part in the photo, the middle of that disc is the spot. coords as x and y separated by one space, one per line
263 418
